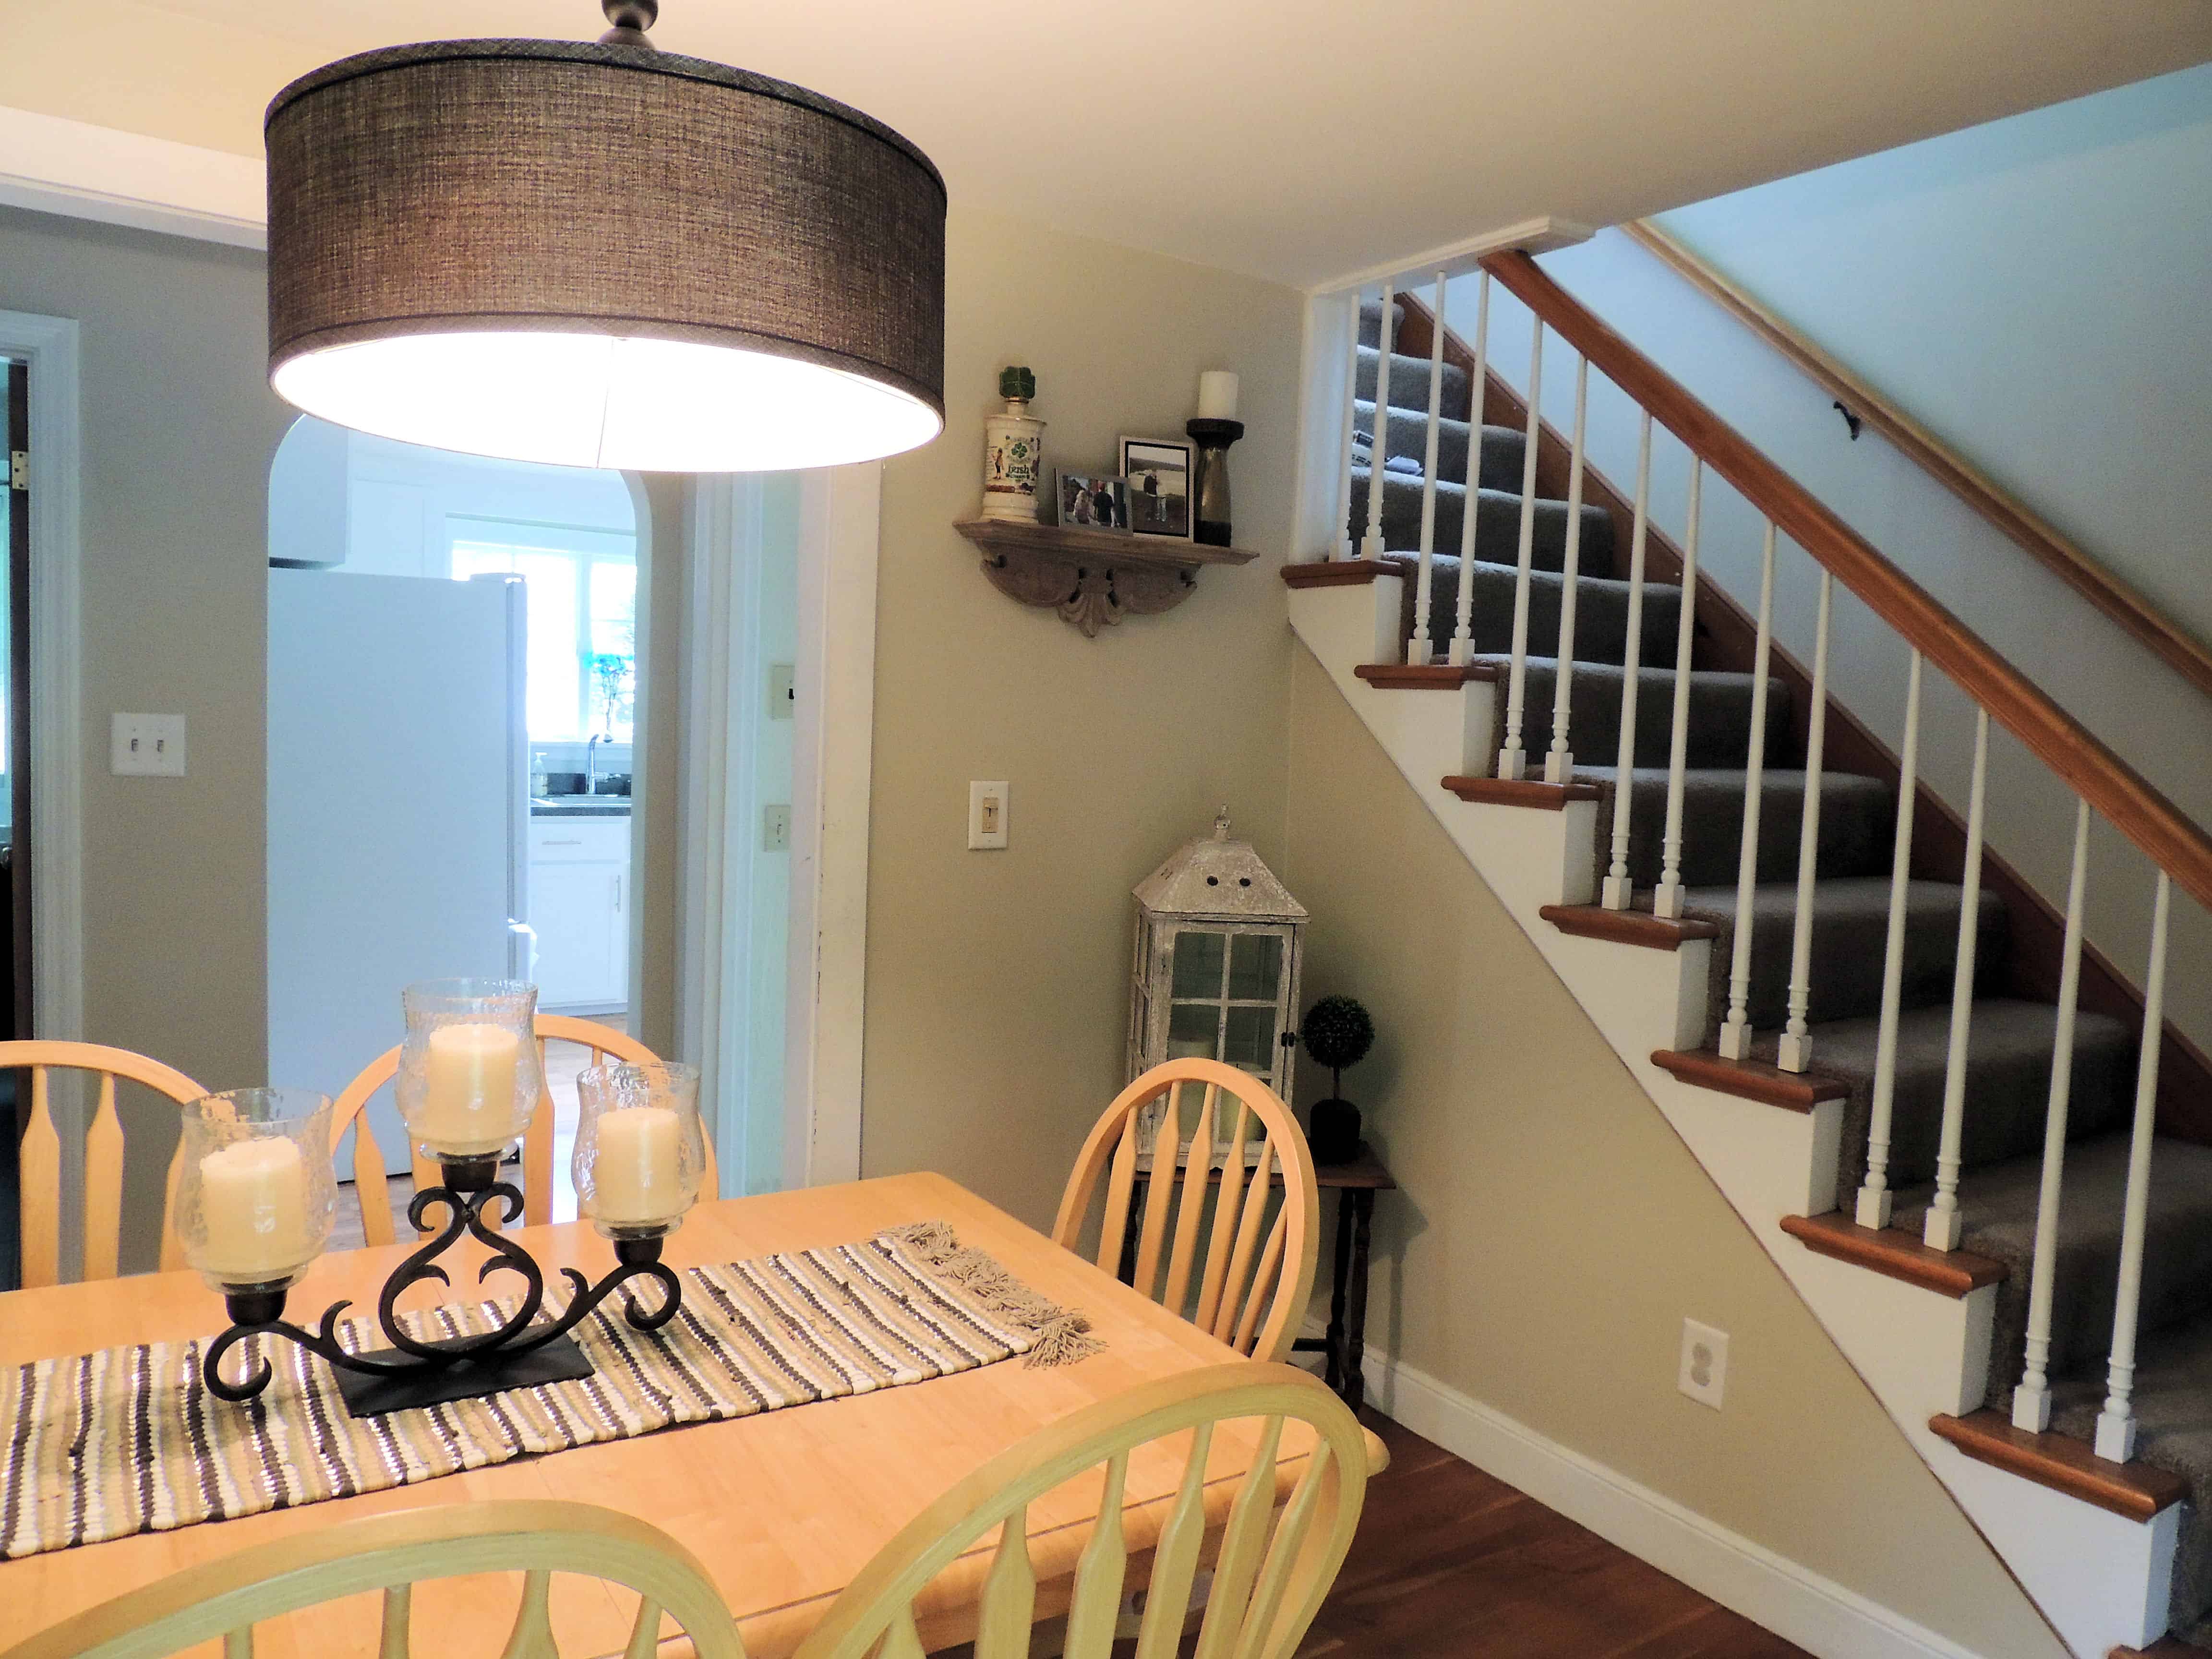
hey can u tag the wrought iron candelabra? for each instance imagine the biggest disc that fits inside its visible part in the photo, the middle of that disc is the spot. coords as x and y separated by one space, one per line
522 1352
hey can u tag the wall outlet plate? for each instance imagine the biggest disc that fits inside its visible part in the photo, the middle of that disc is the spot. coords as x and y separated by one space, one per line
1704 1375
147 746
987 817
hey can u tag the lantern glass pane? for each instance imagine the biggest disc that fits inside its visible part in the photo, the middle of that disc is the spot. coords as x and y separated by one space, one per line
1194 1031
1255 965
1198 957
1251 1040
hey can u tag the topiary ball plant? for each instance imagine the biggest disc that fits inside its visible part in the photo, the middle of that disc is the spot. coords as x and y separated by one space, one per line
1337 1033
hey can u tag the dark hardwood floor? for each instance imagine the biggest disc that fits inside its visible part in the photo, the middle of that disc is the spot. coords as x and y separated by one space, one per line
1451 1562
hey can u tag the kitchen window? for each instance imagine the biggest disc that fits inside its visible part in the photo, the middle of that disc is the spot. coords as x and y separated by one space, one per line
582 608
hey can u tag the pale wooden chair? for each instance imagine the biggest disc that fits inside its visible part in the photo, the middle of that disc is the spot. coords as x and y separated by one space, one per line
1274 1565
40 1180
227 1597
368 1171
1251 1296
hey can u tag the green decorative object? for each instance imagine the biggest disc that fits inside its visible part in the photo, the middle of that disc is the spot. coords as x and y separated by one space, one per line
1337 1033
1017 382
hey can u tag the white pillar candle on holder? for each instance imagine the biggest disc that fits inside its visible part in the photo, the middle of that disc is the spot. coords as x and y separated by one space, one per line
1216 395
254 1204
468 1089
637 1168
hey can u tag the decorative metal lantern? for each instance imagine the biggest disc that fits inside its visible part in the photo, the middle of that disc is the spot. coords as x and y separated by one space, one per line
1215 974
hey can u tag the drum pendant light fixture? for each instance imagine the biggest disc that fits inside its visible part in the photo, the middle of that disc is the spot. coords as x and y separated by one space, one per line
601 254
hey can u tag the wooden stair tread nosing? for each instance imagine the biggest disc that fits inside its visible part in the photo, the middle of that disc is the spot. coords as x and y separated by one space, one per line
2136 1491
1337 573
1426 676
1521 791
1753 1079
1628 926
1893 1251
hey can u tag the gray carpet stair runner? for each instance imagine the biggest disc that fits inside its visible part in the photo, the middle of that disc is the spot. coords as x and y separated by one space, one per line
2009 1050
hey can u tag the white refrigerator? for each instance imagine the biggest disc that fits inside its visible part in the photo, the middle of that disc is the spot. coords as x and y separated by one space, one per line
398 804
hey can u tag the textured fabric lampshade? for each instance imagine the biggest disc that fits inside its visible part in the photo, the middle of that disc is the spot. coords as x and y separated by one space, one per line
601 255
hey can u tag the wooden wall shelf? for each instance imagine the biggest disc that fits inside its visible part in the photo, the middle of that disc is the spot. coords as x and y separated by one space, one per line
1091 577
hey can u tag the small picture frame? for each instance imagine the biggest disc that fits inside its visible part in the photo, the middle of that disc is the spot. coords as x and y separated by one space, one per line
1158 471
1087 501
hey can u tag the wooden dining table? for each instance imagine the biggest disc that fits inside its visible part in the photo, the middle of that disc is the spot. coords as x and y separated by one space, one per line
783 1509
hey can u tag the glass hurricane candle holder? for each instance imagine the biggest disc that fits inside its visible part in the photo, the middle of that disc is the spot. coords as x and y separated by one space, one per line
255 1191
469 1071
641 1151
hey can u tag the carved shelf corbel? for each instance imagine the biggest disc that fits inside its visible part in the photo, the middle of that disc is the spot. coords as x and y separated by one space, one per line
1091 577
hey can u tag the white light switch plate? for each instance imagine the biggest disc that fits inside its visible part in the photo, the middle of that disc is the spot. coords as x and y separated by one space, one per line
1704 1375
781 697
775 829
987 817
147 746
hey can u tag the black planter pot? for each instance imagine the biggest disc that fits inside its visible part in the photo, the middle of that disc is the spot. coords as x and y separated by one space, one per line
1335 1132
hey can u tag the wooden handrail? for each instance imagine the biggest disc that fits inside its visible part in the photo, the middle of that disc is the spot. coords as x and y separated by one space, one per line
2177 649
2113 787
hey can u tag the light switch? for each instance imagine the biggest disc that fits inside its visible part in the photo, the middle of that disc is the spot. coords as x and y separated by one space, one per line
782 697
987 817
775 829
147 746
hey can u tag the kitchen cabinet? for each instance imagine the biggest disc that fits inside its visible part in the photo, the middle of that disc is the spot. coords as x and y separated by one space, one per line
579 908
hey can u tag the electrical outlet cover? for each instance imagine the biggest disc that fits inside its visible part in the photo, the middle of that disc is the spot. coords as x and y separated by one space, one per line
1704 1375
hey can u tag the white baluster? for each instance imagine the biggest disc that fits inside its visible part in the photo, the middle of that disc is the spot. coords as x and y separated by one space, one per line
1512 761
2116 1424
1874 1200
1667 900
1944 1223
1462 645
1797 1047
1735 1030
1560 763
1386 338
2031 1401
1618 888
1417 646
1340 544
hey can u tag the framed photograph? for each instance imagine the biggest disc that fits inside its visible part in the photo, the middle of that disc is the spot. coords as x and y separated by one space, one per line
1158 474
1091 501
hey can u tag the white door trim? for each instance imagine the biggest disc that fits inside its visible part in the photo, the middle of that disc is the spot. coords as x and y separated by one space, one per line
50 344
840 520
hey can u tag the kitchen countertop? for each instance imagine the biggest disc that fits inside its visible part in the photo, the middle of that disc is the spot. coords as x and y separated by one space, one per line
579 807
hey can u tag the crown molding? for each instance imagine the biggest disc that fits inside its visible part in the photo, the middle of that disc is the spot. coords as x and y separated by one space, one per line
55 165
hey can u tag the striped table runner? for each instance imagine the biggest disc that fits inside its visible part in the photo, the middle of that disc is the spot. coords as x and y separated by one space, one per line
128 1440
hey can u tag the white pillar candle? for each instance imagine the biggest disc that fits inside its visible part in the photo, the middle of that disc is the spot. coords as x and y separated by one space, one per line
636 1170
253 1200
1216 395
468 1089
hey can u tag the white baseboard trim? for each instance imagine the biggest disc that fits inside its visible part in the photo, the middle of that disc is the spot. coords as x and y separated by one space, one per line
1780 1594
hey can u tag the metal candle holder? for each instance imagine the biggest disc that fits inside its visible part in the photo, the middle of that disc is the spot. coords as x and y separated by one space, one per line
1210 493
523 1352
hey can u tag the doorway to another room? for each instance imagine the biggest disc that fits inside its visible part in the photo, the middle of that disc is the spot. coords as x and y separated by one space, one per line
453 689
15 788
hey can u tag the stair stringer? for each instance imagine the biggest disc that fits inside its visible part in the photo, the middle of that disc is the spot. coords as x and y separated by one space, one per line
2101 1579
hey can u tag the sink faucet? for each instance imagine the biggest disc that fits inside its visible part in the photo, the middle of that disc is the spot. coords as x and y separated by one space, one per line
591 761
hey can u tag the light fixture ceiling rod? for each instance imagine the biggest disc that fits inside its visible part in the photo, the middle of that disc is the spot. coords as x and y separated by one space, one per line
631 19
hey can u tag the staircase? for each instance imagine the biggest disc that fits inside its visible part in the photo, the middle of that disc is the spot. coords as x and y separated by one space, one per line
1820 1006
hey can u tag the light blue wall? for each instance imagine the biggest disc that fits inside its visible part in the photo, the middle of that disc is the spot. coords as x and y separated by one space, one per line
2038 292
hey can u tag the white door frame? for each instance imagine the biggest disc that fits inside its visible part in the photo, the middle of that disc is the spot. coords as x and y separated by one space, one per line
50 345
834 677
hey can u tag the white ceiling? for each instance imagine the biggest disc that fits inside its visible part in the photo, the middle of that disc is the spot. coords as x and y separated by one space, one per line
1289 139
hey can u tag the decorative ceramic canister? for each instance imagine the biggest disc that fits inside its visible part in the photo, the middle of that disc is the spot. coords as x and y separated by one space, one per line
1013 451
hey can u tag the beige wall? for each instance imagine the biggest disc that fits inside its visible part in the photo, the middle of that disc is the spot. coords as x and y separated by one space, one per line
178 425
1554 1232
997 981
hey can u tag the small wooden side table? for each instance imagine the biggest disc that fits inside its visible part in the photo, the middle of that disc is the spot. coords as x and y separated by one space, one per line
1355 1185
